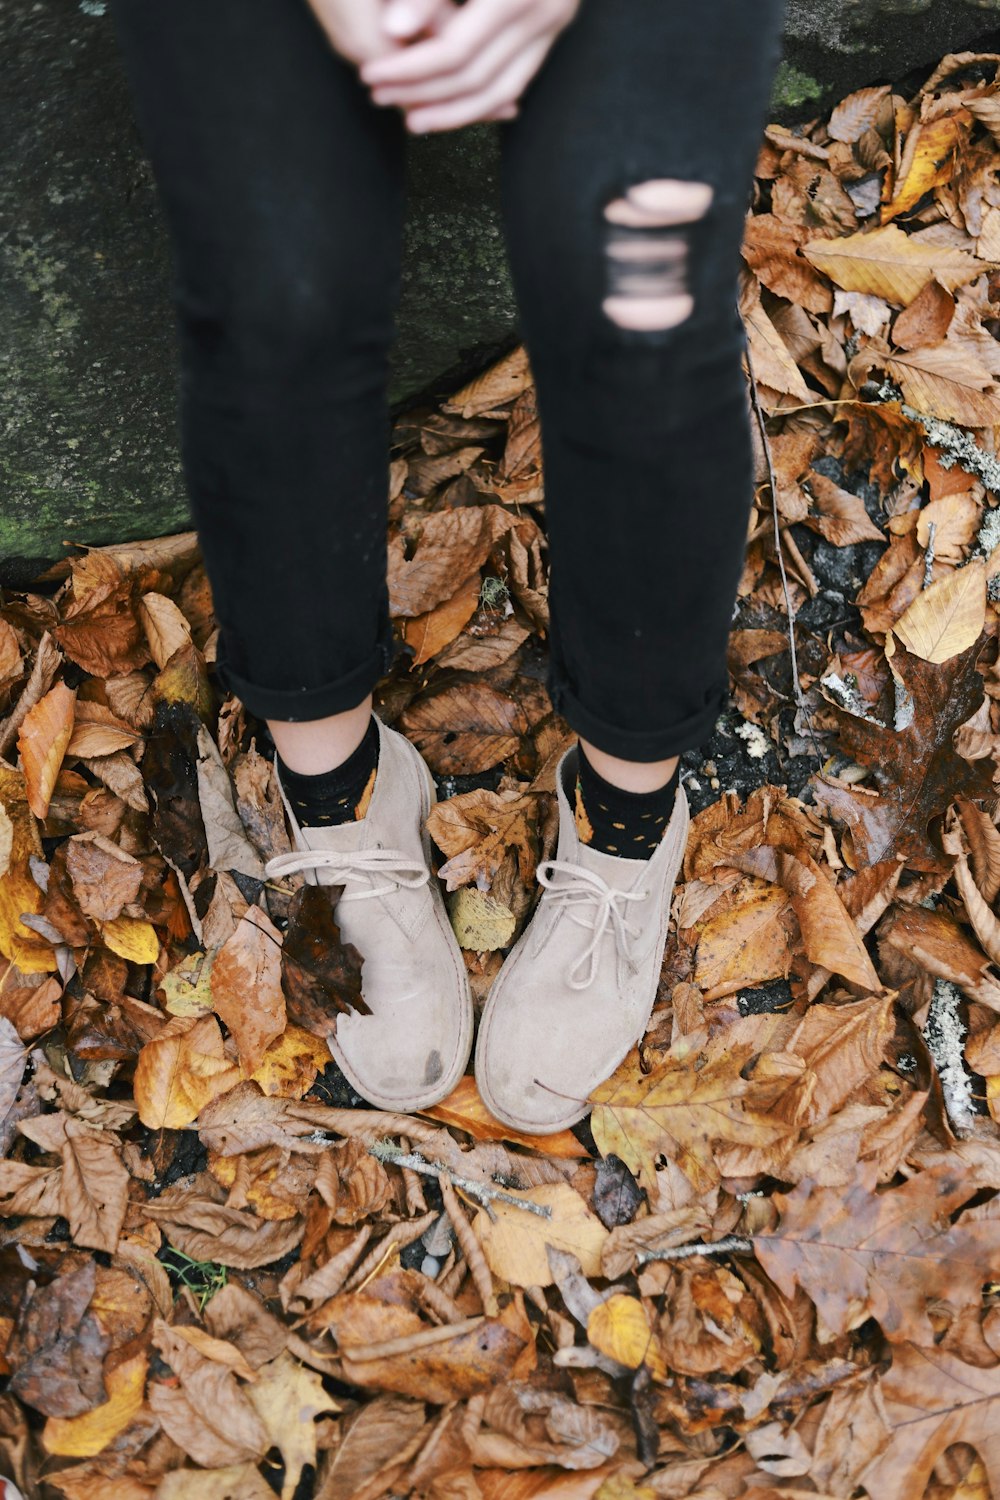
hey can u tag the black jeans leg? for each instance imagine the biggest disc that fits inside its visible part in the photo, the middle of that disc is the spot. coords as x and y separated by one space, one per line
645 435
283 191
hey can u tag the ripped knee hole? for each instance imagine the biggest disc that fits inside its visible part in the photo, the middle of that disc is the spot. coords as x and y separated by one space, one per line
647 250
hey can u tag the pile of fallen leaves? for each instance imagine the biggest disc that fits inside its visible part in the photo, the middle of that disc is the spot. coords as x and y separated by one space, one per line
771 1264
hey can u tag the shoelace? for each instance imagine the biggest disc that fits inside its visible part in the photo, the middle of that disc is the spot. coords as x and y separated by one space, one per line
397 868
604 905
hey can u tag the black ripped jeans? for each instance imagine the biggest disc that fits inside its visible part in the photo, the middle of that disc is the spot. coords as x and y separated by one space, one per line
283 190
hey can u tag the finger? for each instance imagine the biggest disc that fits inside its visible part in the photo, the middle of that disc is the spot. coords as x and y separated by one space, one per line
402 19
504 92
472 28
478 76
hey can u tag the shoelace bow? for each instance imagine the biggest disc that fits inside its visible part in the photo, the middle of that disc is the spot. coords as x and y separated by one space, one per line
581 888
363 865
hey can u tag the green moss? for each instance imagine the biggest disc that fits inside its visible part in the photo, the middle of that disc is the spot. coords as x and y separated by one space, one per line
793 87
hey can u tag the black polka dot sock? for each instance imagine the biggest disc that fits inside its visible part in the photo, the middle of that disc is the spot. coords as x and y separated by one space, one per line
337 796
628 824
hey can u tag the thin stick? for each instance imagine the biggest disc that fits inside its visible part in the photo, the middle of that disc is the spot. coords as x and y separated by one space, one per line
779 551
481 1191
730 1244
755 398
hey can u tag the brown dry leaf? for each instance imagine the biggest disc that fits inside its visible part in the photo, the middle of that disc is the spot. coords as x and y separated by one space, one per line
465 728
42 740
932 1400
195 1218
231 1482
748 943
915 770
480 922
934 942
32 1009
451 548
94 1431
839 516
105 878
856 113
57 1353
502 383
99 629
475 830
95 1184
859 1253
514 1241
431 632
682 1109
180 1071
926 320
947 617
829 936
377 1433
228 845
206 1412
246 987
464 1110
165 627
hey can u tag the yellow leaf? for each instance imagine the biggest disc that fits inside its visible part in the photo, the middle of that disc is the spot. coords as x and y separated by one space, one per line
887 263
926 161
691 1102
82 1437
42 740
514 1241
480 922
948 616
287 1398
620 1329
187 987
289 1067
178 1072
131 938
18 891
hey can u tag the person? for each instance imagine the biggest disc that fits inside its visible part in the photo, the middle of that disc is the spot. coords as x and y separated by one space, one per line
629 129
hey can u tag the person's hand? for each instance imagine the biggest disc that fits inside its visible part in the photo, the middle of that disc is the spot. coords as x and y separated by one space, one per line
474 66
356 28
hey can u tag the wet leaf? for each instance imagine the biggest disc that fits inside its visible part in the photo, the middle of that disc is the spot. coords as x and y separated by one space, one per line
321 975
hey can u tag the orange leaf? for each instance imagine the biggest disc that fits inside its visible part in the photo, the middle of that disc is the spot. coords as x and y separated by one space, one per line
42 741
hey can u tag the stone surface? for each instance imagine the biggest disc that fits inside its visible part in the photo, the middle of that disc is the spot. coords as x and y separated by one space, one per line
87 351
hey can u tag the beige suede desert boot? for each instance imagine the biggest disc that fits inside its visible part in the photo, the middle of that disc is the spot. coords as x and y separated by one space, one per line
413 1048
577 989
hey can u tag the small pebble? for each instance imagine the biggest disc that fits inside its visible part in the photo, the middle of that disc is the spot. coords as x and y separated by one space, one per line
430 1266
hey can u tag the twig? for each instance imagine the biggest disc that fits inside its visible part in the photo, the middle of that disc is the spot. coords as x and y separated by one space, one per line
730 1244
392 1347
778 548
481 1191
755 398
471 1248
